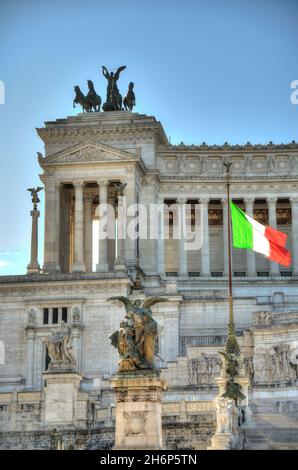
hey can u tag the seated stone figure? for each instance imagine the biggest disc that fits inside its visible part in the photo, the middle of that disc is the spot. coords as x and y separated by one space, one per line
60 349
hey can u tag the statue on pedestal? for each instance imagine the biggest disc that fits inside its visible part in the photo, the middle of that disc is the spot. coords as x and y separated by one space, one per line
136 337
60 349
114 99
33 267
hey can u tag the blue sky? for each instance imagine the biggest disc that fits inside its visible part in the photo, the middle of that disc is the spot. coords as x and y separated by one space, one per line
209 70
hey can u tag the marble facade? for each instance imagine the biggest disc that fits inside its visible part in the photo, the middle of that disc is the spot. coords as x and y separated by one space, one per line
85 157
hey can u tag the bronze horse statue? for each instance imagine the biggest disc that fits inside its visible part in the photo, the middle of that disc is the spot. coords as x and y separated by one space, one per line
130 99
93 99
81 99
89 102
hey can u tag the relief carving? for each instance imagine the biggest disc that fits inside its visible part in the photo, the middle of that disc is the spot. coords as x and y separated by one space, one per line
275 364
135 423
262 319
203 370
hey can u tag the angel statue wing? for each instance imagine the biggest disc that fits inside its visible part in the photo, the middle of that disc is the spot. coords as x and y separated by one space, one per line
117 73
153 300
114 337
35 190
127 303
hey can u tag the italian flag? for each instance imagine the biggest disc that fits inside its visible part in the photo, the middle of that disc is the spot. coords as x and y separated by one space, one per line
250 234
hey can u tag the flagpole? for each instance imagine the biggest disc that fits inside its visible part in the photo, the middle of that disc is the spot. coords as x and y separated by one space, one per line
231 312
232 349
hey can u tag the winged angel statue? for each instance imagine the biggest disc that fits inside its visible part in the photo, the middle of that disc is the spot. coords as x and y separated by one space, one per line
136 338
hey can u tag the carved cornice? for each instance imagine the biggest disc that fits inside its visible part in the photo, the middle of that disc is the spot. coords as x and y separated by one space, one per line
133 128
226 146
238 189
55 300
248 165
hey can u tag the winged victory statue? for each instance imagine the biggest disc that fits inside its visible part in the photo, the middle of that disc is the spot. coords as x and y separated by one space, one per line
136 338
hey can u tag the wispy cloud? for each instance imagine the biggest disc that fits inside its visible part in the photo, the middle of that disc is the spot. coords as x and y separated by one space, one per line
4 264
9 253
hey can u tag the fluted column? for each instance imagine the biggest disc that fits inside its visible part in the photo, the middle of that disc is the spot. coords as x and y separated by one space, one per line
52 225
67 234
33 266
274 267
88 198
250 255
78 264
160 253
119 264
182 268
205 258
225 236
30 357
103 265
294 207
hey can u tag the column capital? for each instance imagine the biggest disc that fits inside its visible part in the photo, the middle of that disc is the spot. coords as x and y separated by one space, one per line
78 184
102 182
160 200
204 200
50 182
271 200
249 200
293 200
181 200
224 201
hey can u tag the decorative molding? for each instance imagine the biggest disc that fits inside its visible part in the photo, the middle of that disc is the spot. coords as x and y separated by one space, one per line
226 146
247 164
55 300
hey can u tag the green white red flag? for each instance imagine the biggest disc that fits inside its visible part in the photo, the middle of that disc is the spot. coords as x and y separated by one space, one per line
250 234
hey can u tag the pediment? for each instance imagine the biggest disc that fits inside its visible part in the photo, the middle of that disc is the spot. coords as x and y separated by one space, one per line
90 152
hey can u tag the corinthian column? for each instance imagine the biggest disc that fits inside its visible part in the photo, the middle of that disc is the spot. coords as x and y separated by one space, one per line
205 259
33 266
88 199
52 225
78 264
294 206
274 267
182 270
102 265
119 264
160 252
250 255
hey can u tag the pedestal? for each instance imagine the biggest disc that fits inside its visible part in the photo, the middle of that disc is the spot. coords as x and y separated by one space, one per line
226 436
224 441
60 397
138 410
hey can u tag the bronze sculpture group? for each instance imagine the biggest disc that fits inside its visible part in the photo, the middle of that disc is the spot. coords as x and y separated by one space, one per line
92 101
136 338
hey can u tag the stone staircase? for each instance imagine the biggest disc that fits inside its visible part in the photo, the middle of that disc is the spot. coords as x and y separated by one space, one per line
271 432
